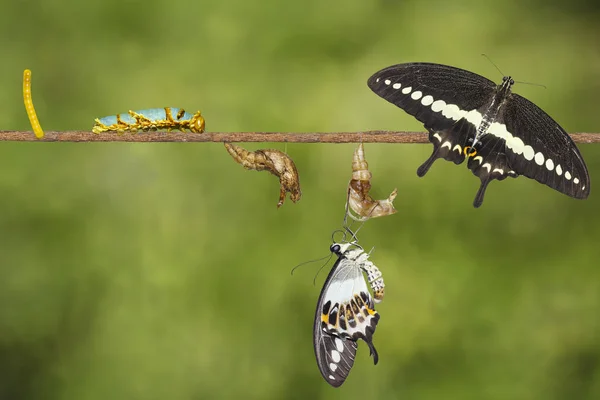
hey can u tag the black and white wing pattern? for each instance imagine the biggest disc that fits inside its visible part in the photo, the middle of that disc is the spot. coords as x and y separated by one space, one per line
470 117
345 312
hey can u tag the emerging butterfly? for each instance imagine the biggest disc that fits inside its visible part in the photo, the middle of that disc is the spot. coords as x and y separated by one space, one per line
500 133
346 312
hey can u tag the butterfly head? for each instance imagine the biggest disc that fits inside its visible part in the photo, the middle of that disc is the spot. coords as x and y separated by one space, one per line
506 84
341 248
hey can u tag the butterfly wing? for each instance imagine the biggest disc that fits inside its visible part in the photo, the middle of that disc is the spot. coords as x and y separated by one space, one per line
437 95
334 370
540 149
344 313
522 140
448 100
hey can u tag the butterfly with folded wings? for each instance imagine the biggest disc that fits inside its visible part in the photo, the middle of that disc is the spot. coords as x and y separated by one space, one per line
346 312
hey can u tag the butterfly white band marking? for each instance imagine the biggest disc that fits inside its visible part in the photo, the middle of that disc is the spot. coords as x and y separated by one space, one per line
457 148
427 100
515 144
339 345
479 159
332 366
539 158
447 144
501 171
416 95
438 105
528 153
487 166
437 136
336 356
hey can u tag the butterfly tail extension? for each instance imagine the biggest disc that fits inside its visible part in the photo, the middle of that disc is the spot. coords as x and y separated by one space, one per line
373 352
488 161
449 144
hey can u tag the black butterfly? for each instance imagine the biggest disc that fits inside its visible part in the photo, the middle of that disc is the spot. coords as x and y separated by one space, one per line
500 133
346 312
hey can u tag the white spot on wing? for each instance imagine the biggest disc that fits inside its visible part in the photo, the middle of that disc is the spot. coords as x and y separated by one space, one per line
387 81
377 80
396 85
499 130
501 171
479 159
447 144
528 153
332 367
576 181
568 175
549 164
539 158
487 166
438 105
474 117
453 112
427 100
339 345
416 95
457 148
516 144
437 136
558 170
335 356
407 90
332 377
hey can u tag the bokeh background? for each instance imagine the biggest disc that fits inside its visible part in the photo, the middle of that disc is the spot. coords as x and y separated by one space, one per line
162 271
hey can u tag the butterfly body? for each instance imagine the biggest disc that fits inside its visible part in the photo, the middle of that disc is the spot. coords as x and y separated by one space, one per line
500 133
345 312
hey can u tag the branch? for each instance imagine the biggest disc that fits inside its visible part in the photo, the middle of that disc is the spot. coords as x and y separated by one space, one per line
289 137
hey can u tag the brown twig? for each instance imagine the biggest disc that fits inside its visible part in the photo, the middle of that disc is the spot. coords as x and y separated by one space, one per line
289 137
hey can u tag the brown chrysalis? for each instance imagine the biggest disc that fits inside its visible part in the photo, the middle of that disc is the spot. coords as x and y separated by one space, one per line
359 199
274 161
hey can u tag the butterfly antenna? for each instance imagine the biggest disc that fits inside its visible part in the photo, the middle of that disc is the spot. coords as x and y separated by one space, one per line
532 84
490 60
310 261
319 271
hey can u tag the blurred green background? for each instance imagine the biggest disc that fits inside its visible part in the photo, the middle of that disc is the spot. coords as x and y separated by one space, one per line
162 271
